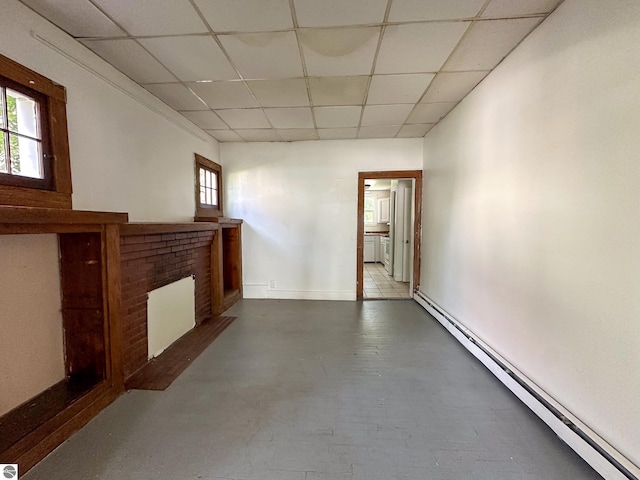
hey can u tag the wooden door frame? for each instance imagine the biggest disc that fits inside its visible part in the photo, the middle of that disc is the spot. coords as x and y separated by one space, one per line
417 224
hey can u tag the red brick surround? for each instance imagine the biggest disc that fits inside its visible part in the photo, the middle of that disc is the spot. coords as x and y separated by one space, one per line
152 258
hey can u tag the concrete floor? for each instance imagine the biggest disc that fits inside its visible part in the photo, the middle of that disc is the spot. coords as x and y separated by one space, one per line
305 390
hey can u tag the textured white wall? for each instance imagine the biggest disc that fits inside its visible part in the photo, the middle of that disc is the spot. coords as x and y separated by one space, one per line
31 345
531 224
299 204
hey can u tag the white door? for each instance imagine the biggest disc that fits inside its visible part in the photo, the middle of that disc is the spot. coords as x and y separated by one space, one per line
399 234
392 229
406 241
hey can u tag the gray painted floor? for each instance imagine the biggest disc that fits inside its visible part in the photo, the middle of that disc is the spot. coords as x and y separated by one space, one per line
305 390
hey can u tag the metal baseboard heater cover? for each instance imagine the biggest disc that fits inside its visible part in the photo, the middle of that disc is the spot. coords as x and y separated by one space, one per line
601 459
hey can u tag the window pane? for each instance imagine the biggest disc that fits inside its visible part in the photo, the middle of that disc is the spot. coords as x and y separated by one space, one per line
201 175
203 196
25 157
368 217
3 158
22 112
2 125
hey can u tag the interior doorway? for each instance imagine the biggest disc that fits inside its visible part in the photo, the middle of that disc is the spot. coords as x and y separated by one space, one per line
388 233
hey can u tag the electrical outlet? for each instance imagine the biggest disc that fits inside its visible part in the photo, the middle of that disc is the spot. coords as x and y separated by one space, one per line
272 285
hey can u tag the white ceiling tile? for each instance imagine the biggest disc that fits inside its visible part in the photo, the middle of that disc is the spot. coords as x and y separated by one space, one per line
378 132
418 47
417 10
391 89
297 117
79 18
452 87
289 92
245 118
191 58
338 90
385 115
132 60
488 42
298 134
264 55
337 117
337 133
246 15
339 51
516 8
154 17
259 135
225 135
330 13
430 112
176 96
225 94
205 119
415 131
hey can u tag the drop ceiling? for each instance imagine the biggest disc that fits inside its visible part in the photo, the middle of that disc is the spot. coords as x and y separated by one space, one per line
291 70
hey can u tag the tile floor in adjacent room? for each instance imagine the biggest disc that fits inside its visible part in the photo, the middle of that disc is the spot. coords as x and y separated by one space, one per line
312 390
379 284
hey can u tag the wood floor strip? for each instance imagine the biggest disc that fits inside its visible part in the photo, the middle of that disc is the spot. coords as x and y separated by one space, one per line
160 372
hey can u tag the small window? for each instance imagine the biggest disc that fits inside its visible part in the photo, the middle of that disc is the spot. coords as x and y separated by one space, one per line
369 208
208 188
23 142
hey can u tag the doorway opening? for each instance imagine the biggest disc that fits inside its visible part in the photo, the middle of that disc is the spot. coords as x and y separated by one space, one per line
388 236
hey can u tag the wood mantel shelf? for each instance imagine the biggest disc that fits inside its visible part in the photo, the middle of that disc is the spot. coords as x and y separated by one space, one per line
155 228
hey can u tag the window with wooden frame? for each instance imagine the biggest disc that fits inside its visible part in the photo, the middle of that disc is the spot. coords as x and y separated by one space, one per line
34 147
208 188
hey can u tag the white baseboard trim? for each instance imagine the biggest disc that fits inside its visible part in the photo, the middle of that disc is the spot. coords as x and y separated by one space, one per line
602 457
259 290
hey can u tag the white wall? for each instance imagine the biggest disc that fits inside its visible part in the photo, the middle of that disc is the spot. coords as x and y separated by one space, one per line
299 204
31 345
124 156
531 224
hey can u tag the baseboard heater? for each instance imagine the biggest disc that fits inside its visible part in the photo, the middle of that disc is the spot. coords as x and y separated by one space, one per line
602 457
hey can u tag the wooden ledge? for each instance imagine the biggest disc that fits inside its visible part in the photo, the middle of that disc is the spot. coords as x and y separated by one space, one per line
43 216
219 220
129 229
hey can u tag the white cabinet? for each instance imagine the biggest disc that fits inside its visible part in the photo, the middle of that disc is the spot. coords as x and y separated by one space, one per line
369 248
383 210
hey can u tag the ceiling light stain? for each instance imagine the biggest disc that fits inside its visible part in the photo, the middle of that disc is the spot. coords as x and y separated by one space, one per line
260 39
337 43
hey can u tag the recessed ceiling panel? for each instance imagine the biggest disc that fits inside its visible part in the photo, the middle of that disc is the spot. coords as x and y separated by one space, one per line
337 133
452 87
339 51
417 10
337 117
392 89
154 17
264 55
225 135
516 8
245 118
246 15
488 42
298 134
297 117
338 90
259 135
79 18
191 58
289 92
418 47
205 119
378 132
176 96
330 13
224 94
385 115
132 60
430 112
415 131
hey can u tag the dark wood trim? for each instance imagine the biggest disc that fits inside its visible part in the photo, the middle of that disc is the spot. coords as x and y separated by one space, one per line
203 211
129 229
113 306
42 216
55 190
417 226
217 279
